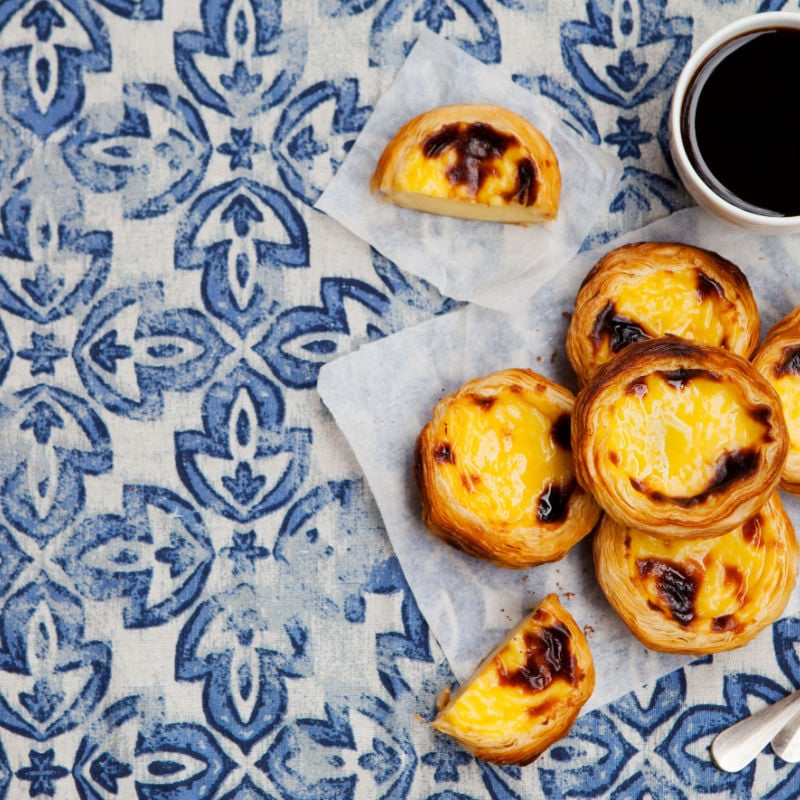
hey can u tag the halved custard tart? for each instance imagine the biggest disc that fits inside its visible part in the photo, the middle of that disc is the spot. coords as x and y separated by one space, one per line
778 360
679 439
526 693
471 161
650 289
495 474
699 595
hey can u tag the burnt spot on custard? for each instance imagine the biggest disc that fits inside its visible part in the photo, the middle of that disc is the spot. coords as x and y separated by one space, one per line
483 402
443 453
627 542
561 432
708 287
526 189
680 378
675 585
762 414
548 656
476 146
731 467
639 486
542 710
751 531
727 622
617 330
735 578
789 363
553 503
476 140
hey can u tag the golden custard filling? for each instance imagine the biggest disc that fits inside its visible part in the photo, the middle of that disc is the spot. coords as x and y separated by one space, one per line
685 303
534 671
506 456
470 162
710 584
678 435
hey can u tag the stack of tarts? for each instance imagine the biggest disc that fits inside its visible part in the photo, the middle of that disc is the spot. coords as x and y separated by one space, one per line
682 440
672 453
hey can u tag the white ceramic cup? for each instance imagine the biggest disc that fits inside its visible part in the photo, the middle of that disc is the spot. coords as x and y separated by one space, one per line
694 183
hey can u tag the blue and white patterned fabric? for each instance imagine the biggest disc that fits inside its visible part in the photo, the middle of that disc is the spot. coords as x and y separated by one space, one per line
197 596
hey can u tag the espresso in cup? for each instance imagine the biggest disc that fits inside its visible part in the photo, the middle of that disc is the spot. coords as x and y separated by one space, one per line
734 123
741 122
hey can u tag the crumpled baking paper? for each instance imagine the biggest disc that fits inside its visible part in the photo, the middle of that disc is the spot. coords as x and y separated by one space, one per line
488 263
382 395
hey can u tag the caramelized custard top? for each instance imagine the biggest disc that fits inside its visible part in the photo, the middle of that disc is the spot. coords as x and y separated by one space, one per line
686 303
681 435
507 456
709 584
473 156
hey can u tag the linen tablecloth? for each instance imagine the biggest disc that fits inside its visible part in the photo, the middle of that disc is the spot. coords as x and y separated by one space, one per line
197 595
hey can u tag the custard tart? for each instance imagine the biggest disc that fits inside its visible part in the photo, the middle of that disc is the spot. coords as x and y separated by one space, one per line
495 473
778 360
526 693
479 162
650 289
699 595
679 439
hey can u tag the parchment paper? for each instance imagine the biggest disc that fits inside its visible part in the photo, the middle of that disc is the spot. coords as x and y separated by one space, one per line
382 395
493 264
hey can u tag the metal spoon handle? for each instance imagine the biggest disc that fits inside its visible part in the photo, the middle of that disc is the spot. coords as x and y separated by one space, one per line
786 743
735 747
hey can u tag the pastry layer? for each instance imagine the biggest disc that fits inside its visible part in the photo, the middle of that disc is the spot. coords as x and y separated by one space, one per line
778 360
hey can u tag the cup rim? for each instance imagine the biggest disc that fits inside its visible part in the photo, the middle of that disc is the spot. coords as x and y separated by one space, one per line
749 24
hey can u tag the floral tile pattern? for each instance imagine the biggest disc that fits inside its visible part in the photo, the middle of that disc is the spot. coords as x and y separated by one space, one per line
197 597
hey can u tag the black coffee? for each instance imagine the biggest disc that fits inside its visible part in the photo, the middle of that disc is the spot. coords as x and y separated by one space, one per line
741 122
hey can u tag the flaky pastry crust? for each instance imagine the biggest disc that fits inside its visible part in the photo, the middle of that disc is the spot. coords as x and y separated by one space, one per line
699 595
778 360
526 693
471 161
649 289
678 439
494 470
